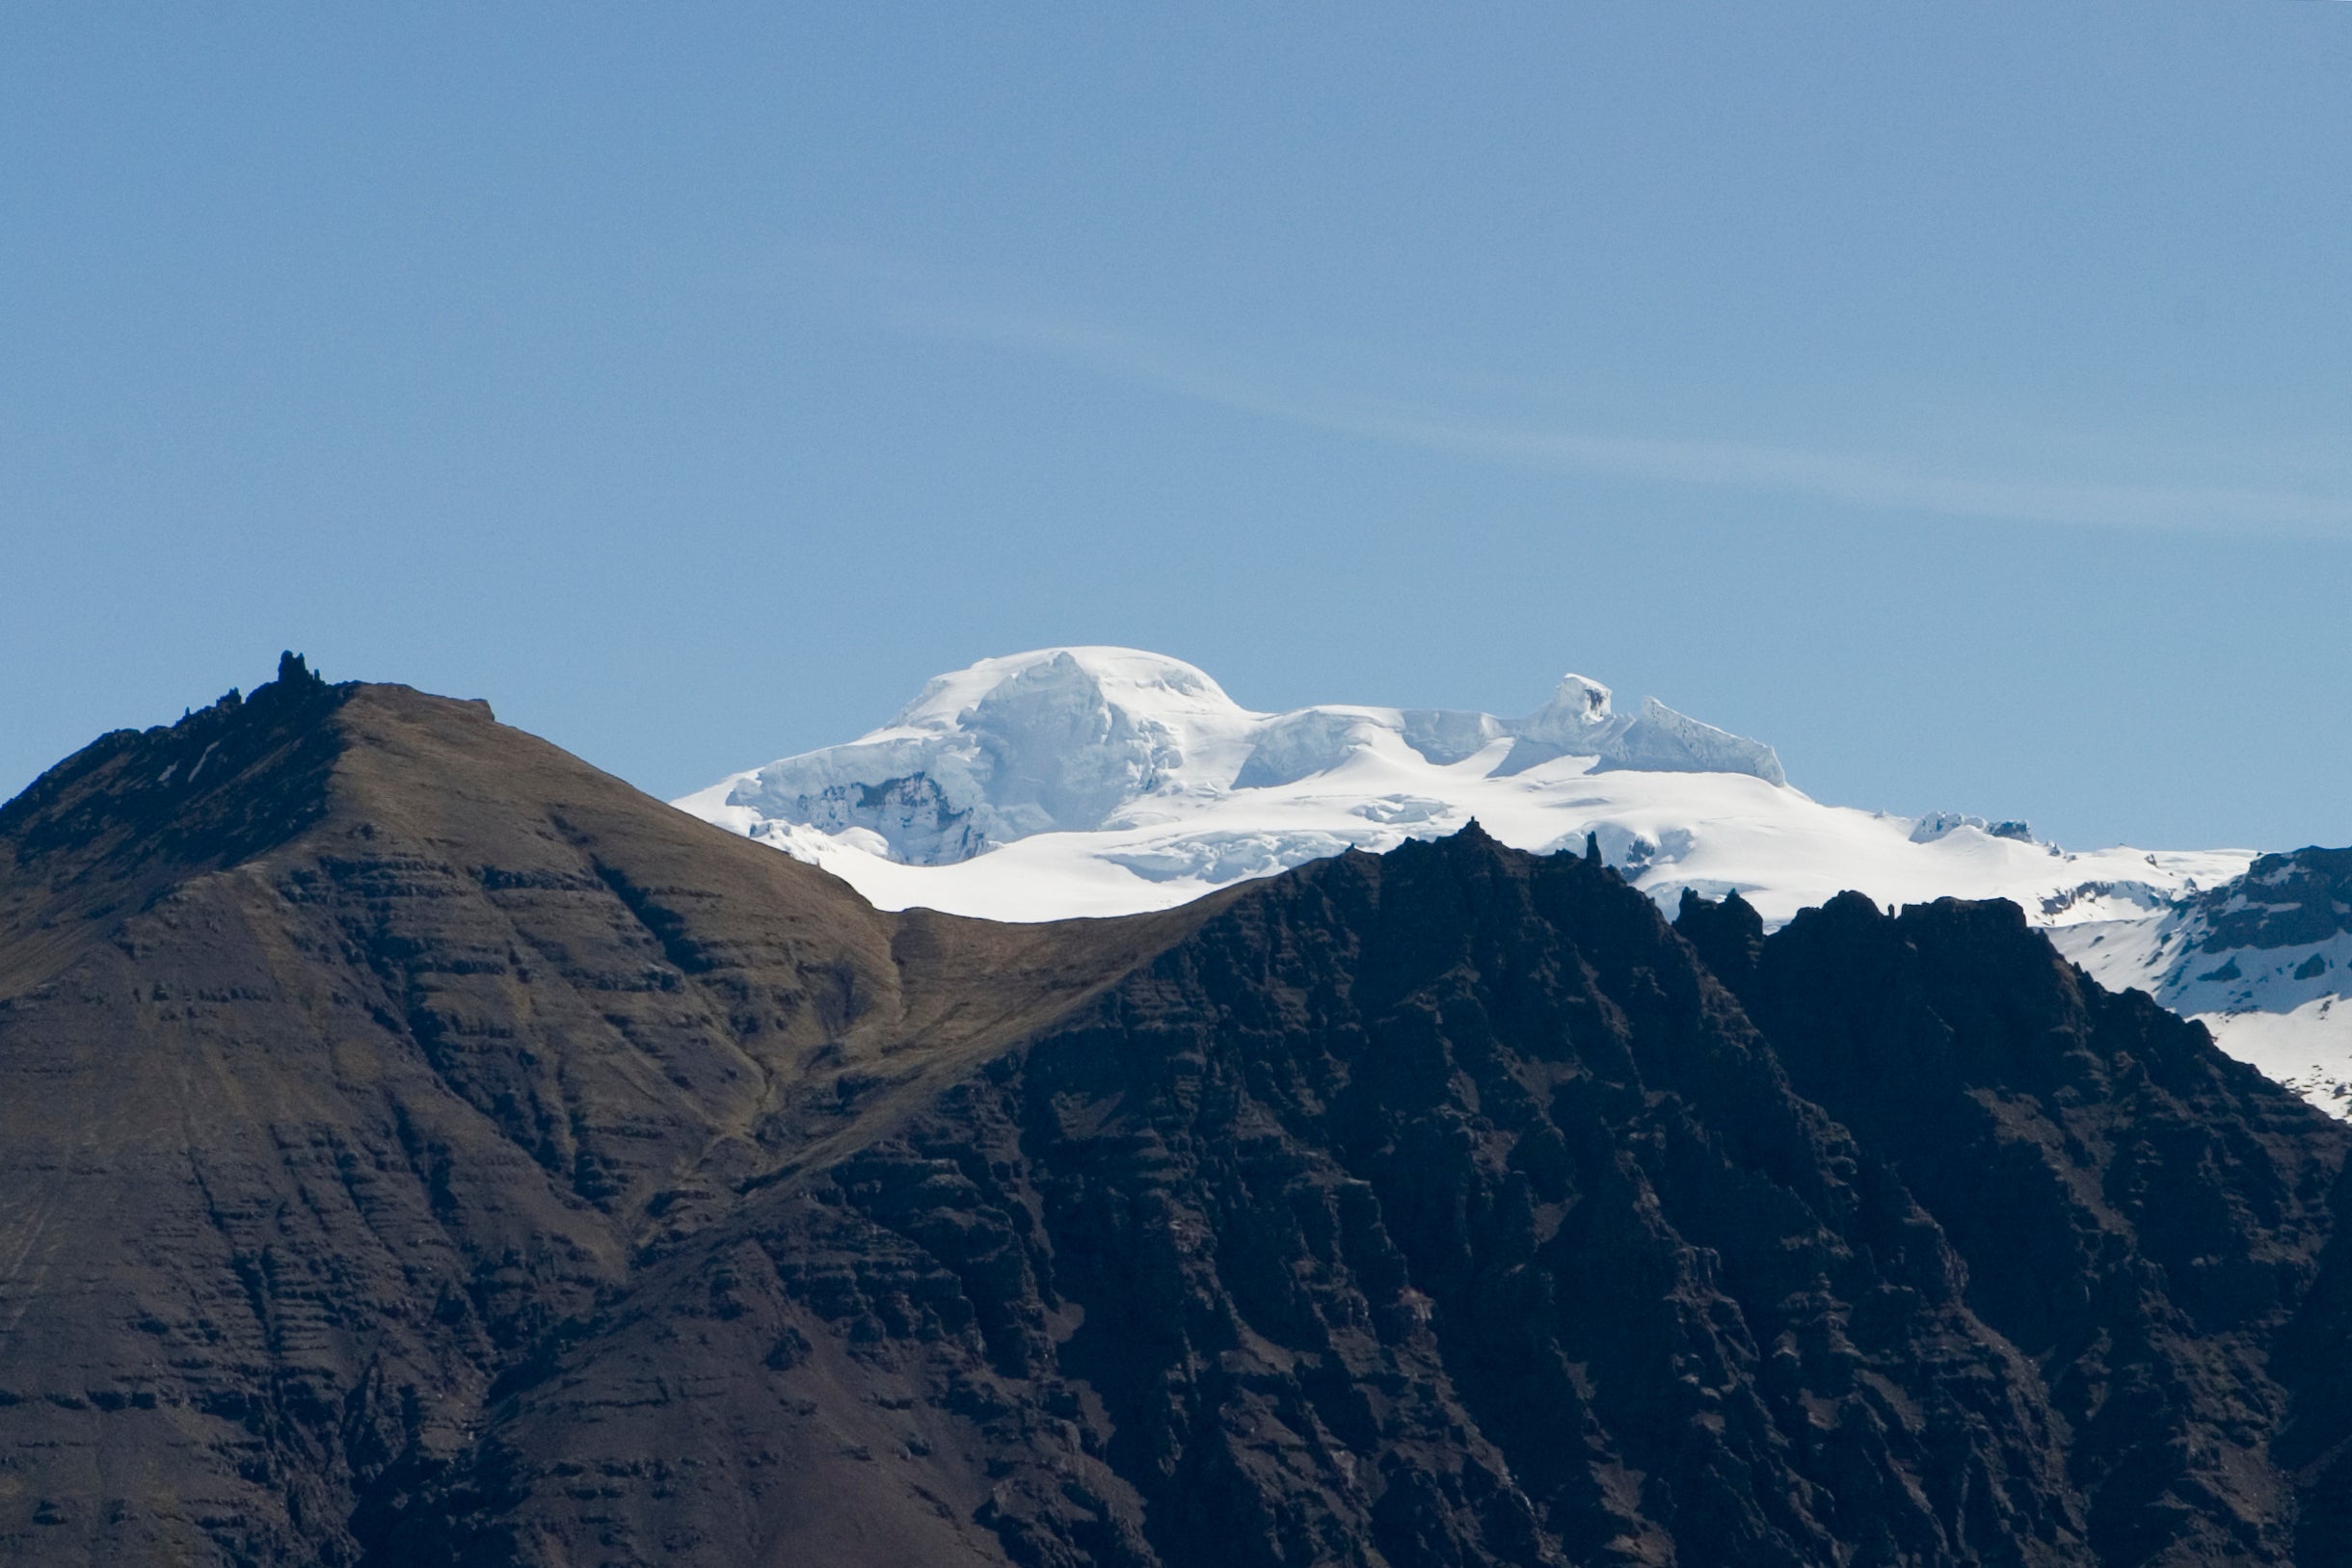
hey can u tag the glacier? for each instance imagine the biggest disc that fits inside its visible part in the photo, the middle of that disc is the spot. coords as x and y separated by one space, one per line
1108 781
1096 781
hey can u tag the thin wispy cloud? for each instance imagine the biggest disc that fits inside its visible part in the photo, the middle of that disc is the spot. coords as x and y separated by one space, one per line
1851 478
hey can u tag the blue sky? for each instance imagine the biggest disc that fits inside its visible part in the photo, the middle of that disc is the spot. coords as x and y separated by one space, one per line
1959 397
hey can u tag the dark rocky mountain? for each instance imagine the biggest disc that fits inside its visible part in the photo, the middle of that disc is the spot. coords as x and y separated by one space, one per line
419 1148
2288 900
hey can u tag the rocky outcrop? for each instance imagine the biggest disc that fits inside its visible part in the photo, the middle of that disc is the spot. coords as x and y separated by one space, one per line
463 1160
2139 1214
2290 900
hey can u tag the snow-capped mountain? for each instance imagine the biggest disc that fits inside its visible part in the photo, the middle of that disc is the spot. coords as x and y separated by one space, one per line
1105 739
1103 781
1106 781
1177 785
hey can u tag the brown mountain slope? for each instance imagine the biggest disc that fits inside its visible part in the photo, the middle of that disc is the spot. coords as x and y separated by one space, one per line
351 1046
418 1148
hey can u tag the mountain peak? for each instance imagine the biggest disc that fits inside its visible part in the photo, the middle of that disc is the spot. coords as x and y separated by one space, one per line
1575 699
1128 678
223 782
1107 740
1093 780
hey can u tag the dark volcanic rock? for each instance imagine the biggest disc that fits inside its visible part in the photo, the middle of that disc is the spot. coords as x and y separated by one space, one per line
2281 901
2137 1213
421 1149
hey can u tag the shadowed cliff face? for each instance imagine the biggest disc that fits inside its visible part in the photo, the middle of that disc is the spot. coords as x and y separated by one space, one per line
425 1149
2137 1213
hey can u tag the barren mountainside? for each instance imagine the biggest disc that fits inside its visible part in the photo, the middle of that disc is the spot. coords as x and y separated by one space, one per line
420 1148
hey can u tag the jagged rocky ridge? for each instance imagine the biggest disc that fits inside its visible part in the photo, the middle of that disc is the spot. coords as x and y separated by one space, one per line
421 1149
